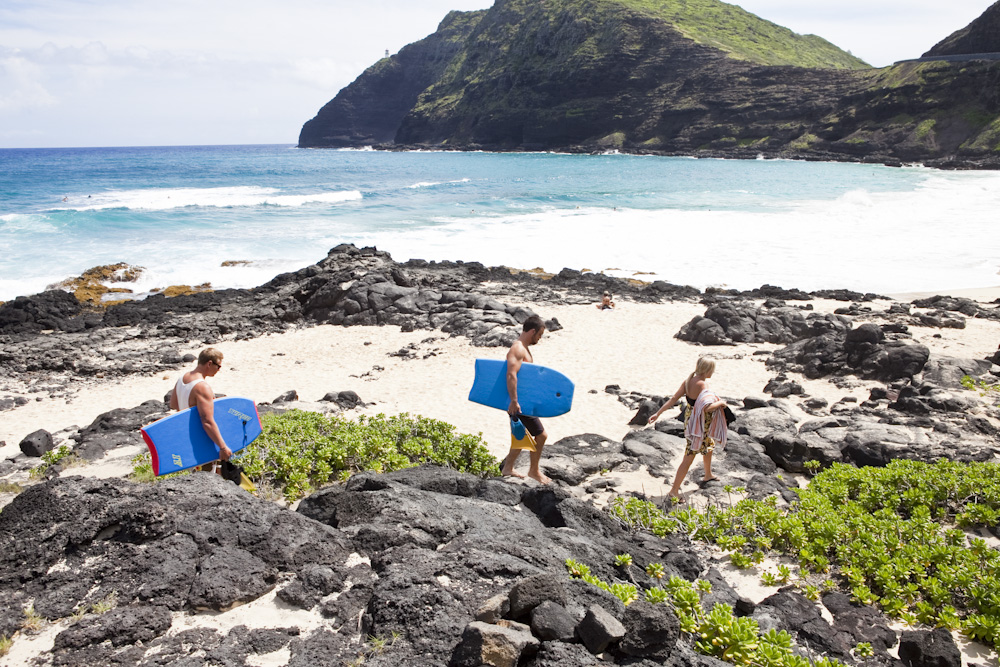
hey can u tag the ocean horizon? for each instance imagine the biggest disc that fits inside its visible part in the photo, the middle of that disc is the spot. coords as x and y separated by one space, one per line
236 216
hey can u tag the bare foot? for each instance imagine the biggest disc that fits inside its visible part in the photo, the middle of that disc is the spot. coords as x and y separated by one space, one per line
512 473
539 477
713 478
676 498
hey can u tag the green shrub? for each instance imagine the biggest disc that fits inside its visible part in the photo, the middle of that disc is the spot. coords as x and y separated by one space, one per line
981 386
301 451
887 535
50 458
142 470
717 632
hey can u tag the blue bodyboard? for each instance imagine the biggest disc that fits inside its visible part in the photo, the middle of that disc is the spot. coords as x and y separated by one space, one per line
541 391
179 442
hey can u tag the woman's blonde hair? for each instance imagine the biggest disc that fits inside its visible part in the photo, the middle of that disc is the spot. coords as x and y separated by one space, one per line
704 367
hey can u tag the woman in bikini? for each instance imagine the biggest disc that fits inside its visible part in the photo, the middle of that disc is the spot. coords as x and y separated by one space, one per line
703 432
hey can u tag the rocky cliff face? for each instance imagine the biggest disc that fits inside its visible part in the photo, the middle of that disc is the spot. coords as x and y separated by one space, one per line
980 36
599 75
370 110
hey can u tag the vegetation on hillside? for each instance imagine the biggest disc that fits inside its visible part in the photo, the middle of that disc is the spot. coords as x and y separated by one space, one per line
744 35
523 37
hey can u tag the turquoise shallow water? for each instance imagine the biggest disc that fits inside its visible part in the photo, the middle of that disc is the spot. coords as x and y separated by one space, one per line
182 211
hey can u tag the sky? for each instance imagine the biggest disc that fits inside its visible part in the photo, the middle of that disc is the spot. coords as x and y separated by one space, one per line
199 72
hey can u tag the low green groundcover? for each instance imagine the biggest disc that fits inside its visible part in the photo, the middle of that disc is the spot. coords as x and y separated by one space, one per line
299 451
904 538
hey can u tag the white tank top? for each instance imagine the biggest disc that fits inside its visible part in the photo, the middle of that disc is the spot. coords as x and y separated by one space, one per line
183 392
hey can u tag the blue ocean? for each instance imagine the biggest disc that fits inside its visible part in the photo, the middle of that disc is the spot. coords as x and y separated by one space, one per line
182 212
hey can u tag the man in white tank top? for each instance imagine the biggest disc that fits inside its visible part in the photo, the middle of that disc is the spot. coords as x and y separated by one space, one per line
193 390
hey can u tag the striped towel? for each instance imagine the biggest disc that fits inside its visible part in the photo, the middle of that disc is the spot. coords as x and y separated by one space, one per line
695 430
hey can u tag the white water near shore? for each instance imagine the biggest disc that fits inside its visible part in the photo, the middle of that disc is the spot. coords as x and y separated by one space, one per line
808 225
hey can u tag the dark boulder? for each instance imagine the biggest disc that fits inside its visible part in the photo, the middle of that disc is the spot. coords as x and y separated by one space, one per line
37 443
651 631
863 351
598 630
863 623
162 544
116 428
346 400
56 310
533 591
929 648
551 622
732 322
801 616
125 625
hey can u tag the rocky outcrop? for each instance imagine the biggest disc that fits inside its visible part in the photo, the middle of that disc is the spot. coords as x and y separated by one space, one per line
152 546
439 567
733 322
966 307
583 77
865 351
55 310
370 110
980 36
351 286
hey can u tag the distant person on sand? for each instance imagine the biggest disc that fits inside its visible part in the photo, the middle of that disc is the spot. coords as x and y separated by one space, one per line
531 333
192 390
606 302
704 422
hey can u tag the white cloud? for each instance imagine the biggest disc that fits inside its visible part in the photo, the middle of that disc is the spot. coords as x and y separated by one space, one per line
325 73
21 88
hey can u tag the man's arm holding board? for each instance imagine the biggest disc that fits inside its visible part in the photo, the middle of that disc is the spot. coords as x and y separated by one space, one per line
204 400
513 366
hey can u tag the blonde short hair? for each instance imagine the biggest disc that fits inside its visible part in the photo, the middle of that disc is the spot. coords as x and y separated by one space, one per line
704 367
209 354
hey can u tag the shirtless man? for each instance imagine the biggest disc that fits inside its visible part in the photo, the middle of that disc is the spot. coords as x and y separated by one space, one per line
193 390
518 354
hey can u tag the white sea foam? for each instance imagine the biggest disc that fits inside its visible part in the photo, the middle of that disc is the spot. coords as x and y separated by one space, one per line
194 272
886 242
431 184
23 222
162 199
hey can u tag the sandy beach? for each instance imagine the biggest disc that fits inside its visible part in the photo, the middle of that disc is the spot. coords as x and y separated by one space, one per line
632 347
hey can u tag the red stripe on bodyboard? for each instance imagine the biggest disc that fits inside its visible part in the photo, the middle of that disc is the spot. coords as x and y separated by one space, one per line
152 452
